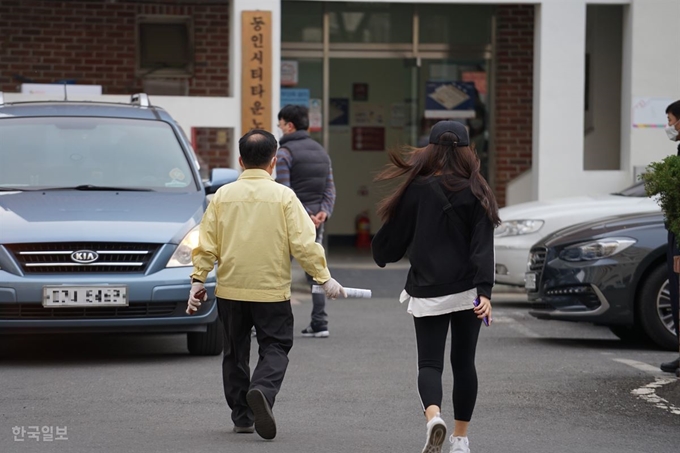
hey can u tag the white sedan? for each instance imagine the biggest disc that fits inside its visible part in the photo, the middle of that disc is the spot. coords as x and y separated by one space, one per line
525 224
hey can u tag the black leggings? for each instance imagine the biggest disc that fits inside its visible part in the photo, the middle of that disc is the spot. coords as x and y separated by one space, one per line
431 334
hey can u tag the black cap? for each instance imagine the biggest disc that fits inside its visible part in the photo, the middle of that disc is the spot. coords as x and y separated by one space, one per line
456 128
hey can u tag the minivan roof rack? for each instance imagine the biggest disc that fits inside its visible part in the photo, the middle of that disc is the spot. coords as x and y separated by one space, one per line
140 99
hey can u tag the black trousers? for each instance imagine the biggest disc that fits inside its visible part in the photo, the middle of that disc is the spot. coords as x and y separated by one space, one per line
431 332
273 323
672 251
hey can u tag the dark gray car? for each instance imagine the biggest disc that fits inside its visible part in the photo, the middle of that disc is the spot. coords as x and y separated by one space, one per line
99 212
610 272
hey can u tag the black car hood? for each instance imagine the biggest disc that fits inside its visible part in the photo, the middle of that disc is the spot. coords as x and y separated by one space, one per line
608 226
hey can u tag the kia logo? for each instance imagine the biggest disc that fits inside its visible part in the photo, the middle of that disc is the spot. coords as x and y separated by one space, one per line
84 256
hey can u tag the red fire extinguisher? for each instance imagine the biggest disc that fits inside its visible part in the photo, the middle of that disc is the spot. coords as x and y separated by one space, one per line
363 230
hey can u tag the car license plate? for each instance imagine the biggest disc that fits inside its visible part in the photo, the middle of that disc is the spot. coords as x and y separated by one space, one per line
85 296
530 281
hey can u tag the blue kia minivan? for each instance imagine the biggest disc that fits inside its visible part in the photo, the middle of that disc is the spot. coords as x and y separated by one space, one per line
99 211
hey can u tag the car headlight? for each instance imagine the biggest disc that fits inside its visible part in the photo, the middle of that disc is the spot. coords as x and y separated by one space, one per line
518 227
595 250
182 256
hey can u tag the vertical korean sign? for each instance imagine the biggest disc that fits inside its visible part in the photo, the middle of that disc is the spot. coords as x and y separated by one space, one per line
256 77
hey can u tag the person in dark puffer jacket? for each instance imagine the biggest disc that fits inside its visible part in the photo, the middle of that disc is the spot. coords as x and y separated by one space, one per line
304 166
673 133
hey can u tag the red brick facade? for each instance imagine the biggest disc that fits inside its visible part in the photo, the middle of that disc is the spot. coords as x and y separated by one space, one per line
93 42
514 94
214 146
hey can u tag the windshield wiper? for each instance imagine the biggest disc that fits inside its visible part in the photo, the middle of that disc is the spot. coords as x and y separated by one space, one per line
95 188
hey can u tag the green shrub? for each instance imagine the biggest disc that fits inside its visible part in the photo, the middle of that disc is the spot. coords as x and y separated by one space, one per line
663 181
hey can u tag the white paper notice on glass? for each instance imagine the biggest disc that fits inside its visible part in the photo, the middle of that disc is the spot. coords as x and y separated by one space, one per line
315 115
289 73
398 115
650 112
368 114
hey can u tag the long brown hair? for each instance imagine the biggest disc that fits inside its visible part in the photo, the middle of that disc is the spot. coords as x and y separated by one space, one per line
458 164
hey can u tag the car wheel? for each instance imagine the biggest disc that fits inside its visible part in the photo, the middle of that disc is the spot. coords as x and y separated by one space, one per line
654 309
209 342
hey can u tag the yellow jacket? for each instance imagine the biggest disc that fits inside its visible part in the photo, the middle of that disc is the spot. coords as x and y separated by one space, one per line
251 228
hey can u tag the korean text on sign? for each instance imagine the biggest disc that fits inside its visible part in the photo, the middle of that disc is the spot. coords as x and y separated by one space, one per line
256 75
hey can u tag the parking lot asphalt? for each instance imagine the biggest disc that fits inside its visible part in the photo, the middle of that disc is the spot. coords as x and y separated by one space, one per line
355 268
544 386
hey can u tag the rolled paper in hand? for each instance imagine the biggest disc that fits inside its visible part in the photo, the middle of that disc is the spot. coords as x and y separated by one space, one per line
356 293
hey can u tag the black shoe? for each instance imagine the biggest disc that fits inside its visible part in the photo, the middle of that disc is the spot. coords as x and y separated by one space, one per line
670 367
244 429
265 425
315 333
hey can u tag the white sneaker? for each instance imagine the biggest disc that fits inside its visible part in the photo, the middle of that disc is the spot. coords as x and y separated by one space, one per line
459 445
436 434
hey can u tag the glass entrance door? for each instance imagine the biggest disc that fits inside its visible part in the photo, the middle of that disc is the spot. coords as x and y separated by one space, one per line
372 111
379 65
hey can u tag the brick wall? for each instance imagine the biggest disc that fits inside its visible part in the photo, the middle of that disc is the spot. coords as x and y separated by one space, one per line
514 94
93 42
213 145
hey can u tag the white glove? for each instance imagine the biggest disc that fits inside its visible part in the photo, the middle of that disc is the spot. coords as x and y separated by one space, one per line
194 303
333 289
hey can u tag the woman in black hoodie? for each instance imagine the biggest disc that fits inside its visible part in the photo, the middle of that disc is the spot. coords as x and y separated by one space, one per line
443 215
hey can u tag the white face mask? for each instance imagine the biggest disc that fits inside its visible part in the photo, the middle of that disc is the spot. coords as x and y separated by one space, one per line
672 132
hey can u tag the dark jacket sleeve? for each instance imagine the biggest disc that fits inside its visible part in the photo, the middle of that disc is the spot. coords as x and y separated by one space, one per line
482 252
391 242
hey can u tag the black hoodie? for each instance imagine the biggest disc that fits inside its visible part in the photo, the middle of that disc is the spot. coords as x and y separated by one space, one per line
447 256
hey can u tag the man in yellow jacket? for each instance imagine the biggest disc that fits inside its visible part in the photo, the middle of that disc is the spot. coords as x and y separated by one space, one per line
251 228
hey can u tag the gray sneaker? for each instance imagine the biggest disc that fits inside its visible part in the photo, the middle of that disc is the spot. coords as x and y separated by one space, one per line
244 429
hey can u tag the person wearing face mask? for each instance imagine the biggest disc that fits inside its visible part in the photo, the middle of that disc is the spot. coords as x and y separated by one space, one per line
304 166
673 132
251 228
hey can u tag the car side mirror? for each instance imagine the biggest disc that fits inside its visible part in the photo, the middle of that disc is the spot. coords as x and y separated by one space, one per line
219 177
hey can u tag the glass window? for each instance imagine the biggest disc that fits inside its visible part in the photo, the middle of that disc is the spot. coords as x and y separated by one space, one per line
55 152
455 24
302 22
474 72
310 77
371 22
164 45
